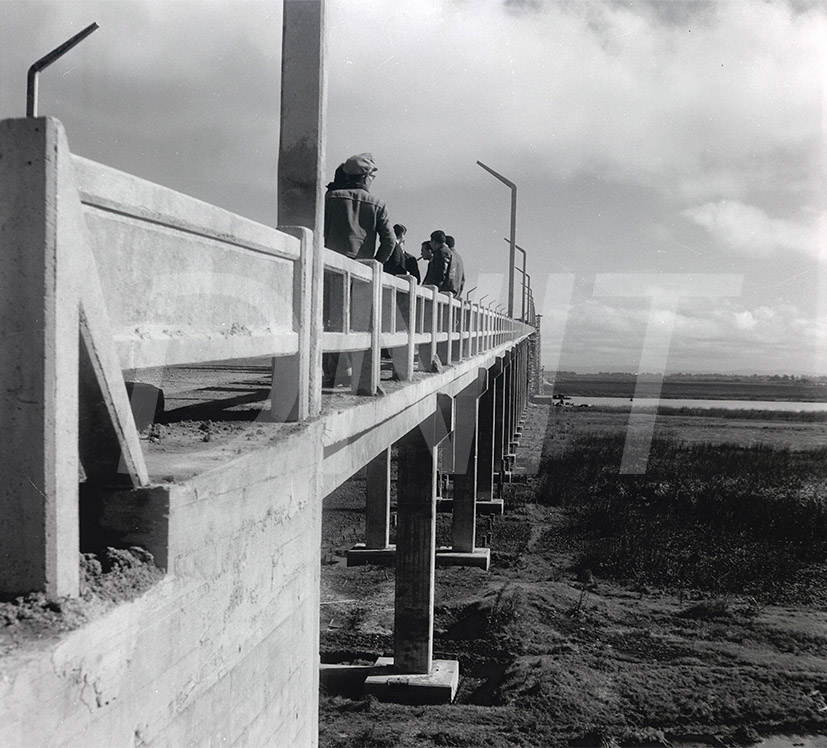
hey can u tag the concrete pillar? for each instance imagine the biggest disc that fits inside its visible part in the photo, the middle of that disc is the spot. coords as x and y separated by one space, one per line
499 418
378 501
416 540
415 549
38 363
302 152
464 521
485 435
508 403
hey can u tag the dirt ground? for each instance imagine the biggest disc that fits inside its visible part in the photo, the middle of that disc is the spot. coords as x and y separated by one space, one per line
551 657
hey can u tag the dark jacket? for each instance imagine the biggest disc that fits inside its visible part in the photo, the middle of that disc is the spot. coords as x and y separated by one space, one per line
353 219
395 264
438 267
412 267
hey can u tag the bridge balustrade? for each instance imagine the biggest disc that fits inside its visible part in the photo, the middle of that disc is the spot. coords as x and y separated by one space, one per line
150 277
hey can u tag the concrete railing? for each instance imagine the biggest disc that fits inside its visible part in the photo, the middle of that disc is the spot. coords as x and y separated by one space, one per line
103 273
186 282
153 278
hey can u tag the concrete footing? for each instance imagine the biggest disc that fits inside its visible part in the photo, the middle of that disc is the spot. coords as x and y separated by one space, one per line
479 557
494 506
361 556
436 687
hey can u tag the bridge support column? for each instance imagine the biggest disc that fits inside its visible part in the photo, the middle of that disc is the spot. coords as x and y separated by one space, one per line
464 518
500 400
486 422
416 676
376 549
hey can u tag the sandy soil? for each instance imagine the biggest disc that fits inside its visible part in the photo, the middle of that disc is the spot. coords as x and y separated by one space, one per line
113 576
552 657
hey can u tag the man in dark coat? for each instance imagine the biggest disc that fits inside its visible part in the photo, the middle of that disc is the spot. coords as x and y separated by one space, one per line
353 218
353 221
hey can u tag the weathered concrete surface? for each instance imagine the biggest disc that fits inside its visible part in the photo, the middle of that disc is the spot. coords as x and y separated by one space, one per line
223 651
38 364
439 686
185 281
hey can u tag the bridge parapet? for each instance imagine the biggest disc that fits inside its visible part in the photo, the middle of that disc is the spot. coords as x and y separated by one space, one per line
150 277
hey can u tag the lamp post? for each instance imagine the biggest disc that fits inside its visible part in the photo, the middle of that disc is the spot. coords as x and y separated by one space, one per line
526 293
468 294
517 246
45 61
513 240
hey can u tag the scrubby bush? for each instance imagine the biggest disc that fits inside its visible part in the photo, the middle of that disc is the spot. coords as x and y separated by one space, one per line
718 517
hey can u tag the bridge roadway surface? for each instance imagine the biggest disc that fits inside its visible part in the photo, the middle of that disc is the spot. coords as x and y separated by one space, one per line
218 411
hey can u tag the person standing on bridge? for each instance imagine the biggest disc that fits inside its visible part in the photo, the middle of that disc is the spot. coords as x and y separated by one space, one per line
440 258
353 218
353 221
458 267
395 264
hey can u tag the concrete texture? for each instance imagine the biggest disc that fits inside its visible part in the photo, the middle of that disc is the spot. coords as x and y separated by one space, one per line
439 686
193 660
38 363
225 649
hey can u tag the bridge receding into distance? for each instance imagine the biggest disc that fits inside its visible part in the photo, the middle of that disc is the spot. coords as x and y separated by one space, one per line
107 277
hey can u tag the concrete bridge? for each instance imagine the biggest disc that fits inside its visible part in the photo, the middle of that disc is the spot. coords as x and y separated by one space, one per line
105 275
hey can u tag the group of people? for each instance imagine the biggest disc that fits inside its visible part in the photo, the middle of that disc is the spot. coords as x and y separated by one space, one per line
354 220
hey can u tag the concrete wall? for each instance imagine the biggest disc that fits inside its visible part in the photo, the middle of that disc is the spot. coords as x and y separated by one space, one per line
184 280
223 651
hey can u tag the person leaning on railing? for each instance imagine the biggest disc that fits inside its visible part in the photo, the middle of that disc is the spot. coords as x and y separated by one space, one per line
353 221
441 268
400 262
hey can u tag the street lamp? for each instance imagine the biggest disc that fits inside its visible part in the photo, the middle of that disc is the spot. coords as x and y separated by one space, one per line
526 293
468 295
517 246
513 241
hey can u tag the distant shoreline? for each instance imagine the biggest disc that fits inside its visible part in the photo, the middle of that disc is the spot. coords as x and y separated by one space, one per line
700 389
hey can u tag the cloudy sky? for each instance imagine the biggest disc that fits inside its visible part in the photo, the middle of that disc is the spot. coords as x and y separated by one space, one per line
669 154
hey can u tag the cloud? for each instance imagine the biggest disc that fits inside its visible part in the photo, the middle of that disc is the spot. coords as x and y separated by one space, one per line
708 335
749 230
713 98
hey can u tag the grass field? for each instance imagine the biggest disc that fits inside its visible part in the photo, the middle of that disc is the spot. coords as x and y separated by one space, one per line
728 510
616 612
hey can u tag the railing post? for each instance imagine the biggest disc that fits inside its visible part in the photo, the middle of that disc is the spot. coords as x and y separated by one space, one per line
290 395
410 348
444 349
367 314
430 325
